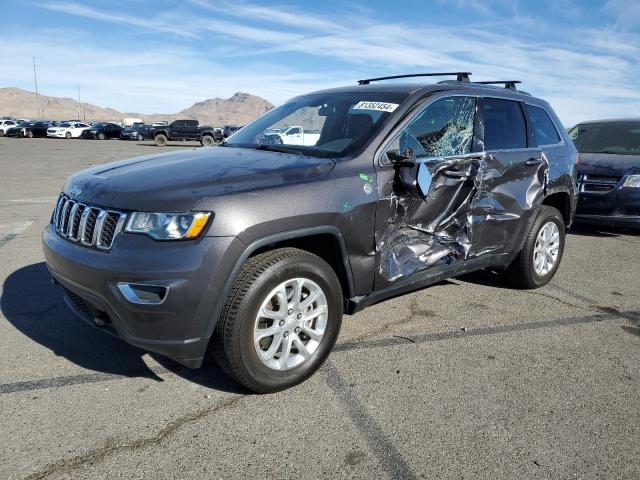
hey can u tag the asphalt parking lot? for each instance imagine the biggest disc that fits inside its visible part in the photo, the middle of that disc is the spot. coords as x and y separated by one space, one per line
467 379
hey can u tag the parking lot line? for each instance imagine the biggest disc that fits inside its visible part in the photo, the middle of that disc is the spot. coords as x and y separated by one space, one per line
519 327
34 200
65 381
389 457
58 382
15 229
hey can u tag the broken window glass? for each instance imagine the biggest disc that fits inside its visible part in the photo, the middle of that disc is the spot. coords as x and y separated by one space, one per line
443 129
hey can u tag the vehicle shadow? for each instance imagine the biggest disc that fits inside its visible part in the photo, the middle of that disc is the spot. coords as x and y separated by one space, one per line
487 278
588 230
36 308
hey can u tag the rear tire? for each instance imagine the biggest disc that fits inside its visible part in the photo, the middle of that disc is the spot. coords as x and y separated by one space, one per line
239 345
160 140
67 135
536 264
29 134
101 136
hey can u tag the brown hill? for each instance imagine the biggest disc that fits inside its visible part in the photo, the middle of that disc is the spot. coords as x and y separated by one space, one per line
240 109
237 110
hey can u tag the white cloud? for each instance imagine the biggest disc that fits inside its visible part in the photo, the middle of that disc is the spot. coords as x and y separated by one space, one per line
583 71
80 10
287 15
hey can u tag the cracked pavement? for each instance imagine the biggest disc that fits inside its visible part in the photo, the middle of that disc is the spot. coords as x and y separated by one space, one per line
468 378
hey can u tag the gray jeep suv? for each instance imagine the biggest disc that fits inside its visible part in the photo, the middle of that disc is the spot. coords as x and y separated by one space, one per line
251 252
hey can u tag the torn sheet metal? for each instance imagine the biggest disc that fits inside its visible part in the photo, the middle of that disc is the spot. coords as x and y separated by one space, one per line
452 209
431 221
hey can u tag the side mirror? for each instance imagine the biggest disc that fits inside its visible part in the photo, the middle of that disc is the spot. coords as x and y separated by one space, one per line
406 158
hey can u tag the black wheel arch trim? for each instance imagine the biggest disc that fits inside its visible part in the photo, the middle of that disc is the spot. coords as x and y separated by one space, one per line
275 238
532 219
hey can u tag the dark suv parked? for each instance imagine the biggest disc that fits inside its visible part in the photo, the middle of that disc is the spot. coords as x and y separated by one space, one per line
609 172
102 131
251 252
138 132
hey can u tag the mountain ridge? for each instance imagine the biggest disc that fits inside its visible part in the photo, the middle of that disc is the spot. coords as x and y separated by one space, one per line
238 109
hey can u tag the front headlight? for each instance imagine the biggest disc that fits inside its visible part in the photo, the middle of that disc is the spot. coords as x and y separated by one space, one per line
632 181
168 226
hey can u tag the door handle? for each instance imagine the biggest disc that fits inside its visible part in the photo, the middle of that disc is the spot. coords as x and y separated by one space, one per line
533 161
456 174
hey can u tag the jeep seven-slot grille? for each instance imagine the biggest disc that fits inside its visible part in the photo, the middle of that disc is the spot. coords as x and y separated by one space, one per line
87 225
598 183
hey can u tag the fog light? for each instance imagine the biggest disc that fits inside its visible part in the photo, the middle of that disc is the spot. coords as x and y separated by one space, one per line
143 293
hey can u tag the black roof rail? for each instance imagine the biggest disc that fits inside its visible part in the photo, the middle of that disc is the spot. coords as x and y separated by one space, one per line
460 77
510 84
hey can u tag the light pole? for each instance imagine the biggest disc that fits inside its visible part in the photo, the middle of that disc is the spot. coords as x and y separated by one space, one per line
80 104
35 81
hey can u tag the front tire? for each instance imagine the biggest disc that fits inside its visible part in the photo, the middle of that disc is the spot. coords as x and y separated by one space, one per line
540 257
67 135
160 140
207 141
280 321
101 136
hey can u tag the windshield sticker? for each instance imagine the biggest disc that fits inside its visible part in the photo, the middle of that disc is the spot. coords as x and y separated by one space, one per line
377 106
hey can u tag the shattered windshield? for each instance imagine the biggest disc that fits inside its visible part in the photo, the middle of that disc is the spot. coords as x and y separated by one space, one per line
323 125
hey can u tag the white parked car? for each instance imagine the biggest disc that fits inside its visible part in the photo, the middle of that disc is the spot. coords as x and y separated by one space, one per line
6 125
67 130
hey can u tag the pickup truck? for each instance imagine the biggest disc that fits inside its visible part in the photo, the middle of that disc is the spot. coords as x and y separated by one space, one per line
295 135
185 130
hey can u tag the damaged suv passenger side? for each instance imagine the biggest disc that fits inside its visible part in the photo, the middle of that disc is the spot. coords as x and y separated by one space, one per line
251 252
465 178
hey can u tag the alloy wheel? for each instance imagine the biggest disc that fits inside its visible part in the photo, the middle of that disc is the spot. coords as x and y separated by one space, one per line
290 324
547 247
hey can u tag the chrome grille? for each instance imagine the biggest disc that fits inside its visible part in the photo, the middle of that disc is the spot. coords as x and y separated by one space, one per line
597 183
90 226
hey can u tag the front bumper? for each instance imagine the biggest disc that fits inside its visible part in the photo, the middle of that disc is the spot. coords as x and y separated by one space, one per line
194 271
618 207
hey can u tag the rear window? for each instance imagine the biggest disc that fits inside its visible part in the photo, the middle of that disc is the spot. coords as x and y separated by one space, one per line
543 130
616 138
504 126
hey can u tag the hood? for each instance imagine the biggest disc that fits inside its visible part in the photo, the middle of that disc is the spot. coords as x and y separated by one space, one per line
608 163
176 181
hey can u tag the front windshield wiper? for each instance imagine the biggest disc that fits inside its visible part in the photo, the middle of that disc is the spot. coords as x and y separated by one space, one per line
278 148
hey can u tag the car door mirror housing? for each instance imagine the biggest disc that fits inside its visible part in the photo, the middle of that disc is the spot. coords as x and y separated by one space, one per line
406 158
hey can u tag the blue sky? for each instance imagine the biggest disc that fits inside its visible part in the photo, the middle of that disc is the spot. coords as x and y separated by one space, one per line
161 56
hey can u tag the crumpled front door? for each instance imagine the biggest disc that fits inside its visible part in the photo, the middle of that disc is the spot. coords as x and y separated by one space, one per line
430 207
